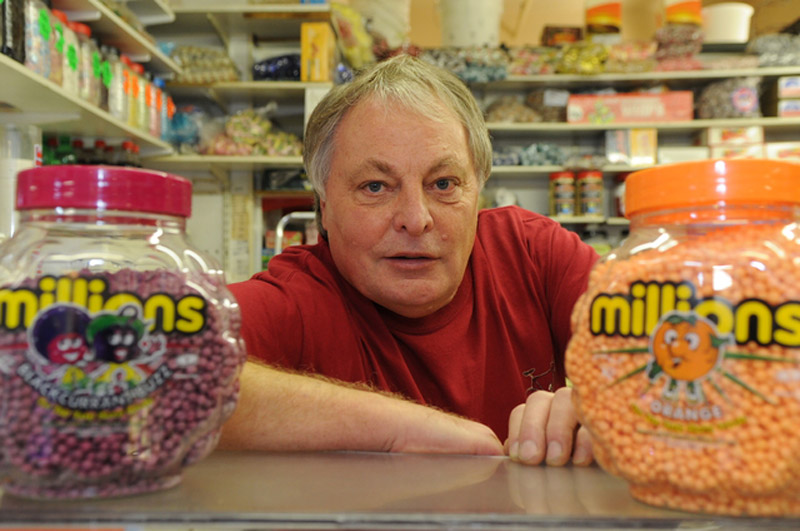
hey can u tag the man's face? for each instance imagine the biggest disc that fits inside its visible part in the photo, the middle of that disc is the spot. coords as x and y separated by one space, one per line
401 206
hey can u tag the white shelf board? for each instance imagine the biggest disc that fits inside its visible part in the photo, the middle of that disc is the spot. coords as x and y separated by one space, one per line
678 77
216 7
255 92
275 21
568 220
151 12
38 100
224 162
770 123
112 30
545 170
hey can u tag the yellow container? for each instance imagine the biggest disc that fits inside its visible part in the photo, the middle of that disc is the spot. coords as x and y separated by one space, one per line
317 46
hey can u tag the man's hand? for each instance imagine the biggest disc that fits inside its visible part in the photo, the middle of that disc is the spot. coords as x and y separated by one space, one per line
546 428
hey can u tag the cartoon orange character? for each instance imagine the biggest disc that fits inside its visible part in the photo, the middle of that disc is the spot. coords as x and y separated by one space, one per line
686 346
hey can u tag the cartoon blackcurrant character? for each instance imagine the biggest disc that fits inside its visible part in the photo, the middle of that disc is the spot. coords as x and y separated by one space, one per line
59 335
115 337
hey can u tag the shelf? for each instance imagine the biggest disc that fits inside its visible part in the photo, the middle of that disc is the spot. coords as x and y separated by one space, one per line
271 21
569 220
224 162
772 123
257 93
39 101
673 78
151 12
545 170
112 30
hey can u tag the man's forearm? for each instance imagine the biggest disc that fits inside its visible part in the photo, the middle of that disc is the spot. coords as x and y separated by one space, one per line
284 411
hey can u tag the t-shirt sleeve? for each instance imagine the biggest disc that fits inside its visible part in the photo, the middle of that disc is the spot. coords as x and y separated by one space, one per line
272 326
565 262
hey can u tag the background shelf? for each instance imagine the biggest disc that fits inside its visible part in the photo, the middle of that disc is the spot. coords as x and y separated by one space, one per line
36 100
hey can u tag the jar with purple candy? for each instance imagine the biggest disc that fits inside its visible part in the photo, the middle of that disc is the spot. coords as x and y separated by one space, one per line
119 342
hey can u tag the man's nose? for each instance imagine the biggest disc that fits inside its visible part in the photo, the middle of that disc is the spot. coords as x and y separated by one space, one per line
413 213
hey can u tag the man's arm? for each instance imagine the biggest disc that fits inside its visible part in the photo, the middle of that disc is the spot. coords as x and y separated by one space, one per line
284 411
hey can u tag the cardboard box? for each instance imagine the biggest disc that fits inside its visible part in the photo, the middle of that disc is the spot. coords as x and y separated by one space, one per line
788 108
783 151
788 87
726 136
743 151
634 147
667 155
317 51
672 106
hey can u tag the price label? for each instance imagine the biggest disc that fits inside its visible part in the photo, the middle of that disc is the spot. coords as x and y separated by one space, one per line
60 38
106 73
72 57
44 24
96 64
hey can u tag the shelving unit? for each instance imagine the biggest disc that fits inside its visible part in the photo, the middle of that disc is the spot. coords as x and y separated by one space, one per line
37 100
223 162
769 123
112 30
152 12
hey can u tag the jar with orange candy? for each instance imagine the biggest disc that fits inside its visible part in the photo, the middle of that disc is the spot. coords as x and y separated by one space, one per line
685 357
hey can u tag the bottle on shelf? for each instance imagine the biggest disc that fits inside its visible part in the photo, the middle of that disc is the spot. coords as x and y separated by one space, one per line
117 102
70 75
154 108
141 102
132 90
81 154
127 155
56 48
12 13
101 72
49 151
37 37
110 155
98 154
64 152
89 90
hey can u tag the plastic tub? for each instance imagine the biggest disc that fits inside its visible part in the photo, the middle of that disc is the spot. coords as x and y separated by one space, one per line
728 22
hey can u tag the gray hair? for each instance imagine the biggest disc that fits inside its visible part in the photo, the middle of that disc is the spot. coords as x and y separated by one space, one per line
404 80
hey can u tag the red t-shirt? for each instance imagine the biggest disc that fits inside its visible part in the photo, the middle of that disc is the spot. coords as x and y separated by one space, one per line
503 335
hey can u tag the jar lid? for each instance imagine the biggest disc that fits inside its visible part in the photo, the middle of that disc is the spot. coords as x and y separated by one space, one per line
104 188
561 175
712 182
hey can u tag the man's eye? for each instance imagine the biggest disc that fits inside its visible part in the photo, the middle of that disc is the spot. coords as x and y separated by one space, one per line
444 184
374 187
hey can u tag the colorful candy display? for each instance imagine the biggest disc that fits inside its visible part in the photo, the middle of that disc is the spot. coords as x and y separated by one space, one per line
684 359
119 343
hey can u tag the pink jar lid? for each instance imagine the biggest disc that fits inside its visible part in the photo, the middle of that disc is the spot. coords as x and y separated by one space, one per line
104 188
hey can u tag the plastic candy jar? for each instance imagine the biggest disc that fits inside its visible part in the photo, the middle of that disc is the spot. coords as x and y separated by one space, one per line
119 342
685 357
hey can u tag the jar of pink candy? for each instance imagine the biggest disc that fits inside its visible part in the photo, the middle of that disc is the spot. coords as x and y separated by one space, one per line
119 342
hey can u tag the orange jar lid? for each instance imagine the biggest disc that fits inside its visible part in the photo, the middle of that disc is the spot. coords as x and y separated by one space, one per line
712 182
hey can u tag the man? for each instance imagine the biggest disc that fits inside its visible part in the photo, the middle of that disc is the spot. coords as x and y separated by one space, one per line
412 292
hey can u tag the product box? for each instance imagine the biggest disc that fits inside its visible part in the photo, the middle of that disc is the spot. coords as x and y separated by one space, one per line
788 87
726 136
317 51
788 108
672 106
743 151
634 147
783 151
667 155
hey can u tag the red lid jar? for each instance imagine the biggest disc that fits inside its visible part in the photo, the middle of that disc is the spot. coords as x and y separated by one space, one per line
120 340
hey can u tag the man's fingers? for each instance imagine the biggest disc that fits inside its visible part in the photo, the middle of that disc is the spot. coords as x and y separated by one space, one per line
561 426
582 454
530 431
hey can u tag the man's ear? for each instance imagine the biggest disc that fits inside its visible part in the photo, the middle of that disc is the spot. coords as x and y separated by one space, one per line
319 208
